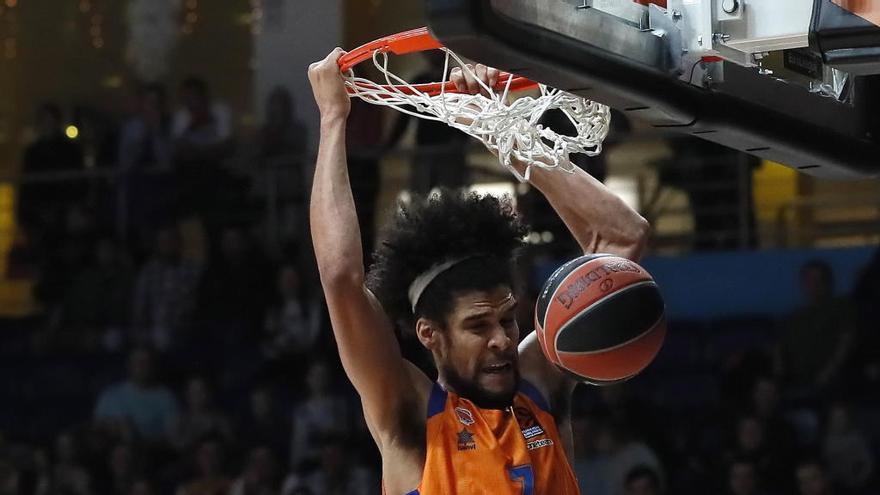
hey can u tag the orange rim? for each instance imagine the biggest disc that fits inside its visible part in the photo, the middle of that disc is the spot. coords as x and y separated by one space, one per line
412 41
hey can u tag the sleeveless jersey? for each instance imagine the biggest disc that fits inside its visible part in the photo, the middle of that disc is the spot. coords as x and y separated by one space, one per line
476 451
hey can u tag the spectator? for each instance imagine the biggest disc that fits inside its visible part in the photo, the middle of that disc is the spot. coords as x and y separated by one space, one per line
139 406
145 140
281 148
766 408
336 474
282 135
97 303
752 443
260 475
819 336
867 354
145 143
142 487
264 424
202 128
588 465
119 472
41 205
70 250
742 478
202 132
292 325
622 454
846 450
812 479
324 412
209 478
643 481
235 288
68 473
165 293
200 418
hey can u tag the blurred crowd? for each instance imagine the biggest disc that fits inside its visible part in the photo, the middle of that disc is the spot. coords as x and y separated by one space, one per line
191 353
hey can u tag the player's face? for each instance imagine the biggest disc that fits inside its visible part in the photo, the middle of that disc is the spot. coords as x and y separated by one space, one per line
478 354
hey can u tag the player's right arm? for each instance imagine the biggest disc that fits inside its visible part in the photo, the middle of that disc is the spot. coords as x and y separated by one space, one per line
364 335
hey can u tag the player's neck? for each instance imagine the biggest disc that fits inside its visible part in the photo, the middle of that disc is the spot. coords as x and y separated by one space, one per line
454 384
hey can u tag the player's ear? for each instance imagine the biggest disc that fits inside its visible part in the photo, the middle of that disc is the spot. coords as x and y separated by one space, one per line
426 331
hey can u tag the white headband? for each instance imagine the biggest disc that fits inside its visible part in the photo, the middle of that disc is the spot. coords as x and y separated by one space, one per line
417 288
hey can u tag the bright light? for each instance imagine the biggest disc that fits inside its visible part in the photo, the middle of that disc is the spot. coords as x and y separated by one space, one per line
497 189
72 132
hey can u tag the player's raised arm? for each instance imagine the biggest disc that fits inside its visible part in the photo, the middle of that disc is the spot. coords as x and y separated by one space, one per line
367 346
598 219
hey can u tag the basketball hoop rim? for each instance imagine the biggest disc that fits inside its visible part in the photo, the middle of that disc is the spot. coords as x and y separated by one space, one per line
420 40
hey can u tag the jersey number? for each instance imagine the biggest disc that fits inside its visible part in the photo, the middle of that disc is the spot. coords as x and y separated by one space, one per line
524 474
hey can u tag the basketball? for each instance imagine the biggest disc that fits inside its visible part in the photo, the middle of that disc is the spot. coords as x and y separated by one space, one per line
601 318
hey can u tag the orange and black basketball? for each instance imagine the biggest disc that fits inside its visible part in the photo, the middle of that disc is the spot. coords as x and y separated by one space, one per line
601 318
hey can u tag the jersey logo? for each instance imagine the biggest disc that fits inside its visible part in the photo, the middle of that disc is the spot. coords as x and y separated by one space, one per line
528 423
537 444
465 417
466 440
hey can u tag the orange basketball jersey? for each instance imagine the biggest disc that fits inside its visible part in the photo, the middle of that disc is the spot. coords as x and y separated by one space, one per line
473 451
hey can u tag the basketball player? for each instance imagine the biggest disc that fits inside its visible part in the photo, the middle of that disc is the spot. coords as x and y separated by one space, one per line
497 419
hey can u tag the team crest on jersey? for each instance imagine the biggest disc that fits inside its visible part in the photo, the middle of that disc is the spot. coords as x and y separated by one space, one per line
528 423
466 440
465 417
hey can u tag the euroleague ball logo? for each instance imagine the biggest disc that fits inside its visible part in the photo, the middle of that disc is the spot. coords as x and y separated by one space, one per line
577 287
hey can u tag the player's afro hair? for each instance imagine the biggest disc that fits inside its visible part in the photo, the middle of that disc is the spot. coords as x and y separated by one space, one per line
450 225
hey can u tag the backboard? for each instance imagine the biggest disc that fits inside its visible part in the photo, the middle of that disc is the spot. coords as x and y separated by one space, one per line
793 81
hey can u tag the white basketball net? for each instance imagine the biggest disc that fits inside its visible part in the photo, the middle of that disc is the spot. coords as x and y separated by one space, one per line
508 127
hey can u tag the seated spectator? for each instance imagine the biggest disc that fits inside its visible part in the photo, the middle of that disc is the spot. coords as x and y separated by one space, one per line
751 442
264 423
819 336
324 412
165 293
292 325
742 478
141 487
68 474
140 406
200 418
260 476
866 293
846 450
119 472
622 454
209 477
97 304
336 473
812 479
588 465
766 408
643 481
235 287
